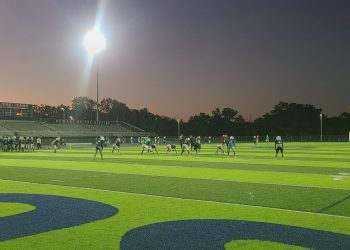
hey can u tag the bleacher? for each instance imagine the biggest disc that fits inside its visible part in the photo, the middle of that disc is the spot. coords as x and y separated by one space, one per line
68 129
23 128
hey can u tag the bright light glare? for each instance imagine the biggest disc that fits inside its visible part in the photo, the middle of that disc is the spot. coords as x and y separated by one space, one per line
94 41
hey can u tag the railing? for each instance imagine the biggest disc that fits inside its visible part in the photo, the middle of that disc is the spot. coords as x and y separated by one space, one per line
129 125
46 128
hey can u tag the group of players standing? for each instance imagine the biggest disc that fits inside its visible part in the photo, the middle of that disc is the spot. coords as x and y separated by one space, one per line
194 144
18 144
230 144
186 144
189 144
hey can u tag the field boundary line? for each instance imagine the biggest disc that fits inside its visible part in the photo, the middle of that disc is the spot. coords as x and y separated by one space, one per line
178 198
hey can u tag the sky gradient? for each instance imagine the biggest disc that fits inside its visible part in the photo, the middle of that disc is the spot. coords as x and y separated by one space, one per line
179 57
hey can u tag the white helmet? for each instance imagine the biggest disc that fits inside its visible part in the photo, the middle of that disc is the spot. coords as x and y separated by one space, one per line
231 138
278 138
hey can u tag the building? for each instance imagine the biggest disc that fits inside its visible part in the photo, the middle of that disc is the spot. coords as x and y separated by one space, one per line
16 111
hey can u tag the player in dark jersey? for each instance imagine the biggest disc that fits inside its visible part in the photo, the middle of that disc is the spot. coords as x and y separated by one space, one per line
27 143
279 146
181 140
224 140
99 147
197 144
152 148
16 143
5 144
31 145
170 148
56 143
192 142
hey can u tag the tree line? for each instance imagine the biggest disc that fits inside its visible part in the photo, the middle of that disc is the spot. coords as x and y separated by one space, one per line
284 119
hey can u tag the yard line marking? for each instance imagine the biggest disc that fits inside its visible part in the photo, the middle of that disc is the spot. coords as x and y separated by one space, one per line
177 198
57 181
341 176
334 204
76 178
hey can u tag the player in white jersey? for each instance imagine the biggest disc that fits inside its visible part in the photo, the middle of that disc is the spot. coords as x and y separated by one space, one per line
279 146
219 147
231 146
116 145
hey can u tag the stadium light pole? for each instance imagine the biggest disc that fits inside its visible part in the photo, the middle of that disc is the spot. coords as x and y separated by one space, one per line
64 113
178 128
94 42
321 125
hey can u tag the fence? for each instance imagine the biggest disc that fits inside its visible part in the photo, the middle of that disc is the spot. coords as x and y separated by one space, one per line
287 138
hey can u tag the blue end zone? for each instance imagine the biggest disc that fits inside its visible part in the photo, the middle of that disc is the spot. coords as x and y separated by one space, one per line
51 213
214 234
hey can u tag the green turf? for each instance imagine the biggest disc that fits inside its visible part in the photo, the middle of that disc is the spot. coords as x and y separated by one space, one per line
8 209
311 186
255 244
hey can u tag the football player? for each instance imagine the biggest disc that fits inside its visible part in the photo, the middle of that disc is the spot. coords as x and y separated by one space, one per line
116 145
231 145
99 147
146 142
170 148
279 146
56 144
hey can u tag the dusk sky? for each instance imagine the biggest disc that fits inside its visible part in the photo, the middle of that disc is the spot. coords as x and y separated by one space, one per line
179 57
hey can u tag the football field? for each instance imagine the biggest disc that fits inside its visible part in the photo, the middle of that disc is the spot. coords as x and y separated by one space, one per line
157 201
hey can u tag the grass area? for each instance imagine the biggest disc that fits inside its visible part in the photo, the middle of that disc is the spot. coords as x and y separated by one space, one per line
8 209
310 188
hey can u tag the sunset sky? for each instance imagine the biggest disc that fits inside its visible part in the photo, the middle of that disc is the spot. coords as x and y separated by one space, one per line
179 57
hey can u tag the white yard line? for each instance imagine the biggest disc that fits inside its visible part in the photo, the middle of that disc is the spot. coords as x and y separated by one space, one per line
177 198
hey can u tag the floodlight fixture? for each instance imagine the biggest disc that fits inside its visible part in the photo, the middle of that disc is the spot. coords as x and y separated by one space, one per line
94 41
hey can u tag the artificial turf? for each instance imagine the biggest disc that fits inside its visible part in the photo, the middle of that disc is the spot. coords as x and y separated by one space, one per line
312 186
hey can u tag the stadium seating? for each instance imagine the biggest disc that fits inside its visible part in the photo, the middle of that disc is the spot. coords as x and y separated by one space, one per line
24 128
43 129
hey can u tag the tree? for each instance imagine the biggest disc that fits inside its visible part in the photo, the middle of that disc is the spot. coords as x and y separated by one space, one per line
84 108
229 114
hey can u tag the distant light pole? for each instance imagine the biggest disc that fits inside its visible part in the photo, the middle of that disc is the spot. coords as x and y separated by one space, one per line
321 126
94 42
178 128
64 113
